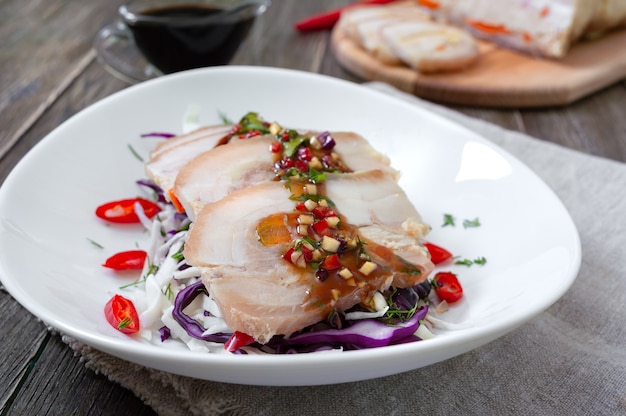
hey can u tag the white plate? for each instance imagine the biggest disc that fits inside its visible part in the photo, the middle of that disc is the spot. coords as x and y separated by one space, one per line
47 217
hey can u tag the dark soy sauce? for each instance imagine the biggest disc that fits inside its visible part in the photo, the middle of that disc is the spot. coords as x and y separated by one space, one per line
178 45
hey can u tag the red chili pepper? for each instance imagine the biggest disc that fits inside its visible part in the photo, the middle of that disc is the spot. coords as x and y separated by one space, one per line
287 255
327 20
123 211
447 287
331 262
437 254
237 340
126 260
321 228
276 147
122 315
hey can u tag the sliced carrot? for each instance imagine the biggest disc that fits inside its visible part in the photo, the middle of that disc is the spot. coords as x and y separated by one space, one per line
179 207
528 37
489 28
545 11
431 4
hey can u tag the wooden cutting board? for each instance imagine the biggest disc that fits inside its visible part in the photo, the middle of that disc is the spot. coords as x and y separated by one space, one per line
501 77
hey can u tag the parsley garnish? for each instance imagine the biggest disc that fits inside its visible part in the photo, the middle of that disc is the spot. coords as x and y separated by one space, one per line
467 262
316 176
290 147
251 122
464 262
480 261
448 220
471 223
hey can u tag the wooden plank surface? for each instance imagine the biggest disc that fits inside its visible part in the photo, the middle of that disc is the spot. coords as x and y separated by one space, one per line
500 77
42 87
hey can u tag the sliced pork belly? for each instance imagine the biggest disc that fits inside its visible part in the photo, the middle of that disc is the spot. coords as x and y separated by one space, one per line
216 173
262 294
429 46
169 156
363 25
224 169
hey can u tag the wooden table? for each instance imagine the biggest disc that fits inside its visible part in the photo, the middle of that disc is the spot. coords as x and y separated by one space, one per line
49 72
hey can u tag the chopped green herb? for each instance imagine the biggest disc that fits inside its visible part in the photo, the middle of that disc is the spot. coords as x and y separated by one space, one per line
224 118
290 147
316 176
395 312
448 220
169 292
480 261
471 223
94 243
135 283
251 122
467 262
134 152
464 262
410 267
124 323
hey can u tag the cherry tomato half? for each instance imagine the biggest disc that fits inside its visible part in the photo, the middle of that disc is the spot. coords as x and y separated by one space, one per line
437 254
238 340
122 315
447 287
123 211
126 260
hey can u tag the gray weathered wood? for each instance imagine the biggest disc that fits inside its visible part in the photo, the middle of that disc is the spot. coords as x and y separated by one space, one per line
48 73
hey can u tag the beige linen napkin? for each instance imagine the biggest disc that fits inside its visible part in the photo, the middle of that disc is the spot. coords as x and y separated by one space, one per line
569 360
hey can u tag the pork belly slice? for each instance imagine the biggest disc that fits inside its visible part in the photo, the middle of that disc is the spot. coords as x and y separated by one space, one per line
429 46
363 25
225 169
169 156
262 294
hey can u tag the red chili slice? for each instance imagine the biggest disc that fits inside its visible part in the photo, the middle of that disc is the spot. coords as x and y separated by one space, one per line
126 260
321 228
238 340
447 287
437 254
331 262
122 315
123 211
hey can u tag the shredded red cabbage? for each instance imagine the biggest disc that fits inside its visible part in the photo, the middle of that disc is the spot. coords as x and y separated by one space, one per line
156 188
366 333
361 334
159 134
193 327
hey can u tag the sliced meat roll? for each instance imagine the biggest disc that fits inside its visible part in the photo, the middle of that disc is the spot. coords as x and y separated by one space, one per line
244 244
430 47
241 163
169 156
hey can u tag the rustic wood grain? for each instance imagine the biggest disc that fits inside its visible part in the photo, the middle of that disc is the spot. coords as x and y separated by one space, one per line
45 45
71 384
48 73
23 331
